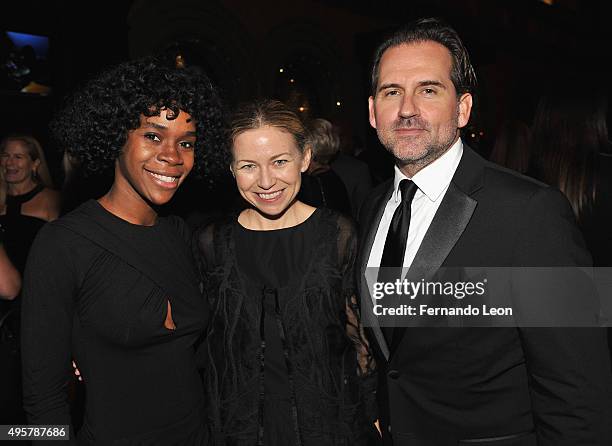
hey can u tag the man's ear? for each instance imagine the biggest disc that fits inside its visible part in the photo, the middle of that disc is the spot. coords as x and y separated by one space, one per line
465 109
372 115
232 171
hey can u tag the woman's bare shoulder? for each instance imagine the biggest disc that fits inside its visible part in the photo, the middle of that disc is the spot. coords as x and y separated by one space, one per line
45 205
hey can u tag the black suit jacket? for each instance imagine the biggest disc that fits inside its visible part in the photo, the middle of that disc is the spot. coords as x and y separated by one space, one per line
491 386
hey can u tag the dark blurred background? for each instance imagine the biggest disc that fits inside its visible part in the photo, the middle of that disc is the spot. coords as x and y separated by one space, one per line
313 54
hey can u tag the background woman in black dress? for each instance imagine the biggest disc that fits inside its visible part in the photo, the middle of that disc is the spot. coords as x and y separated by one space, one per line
321 186
286 360
27 202
27 197
113 285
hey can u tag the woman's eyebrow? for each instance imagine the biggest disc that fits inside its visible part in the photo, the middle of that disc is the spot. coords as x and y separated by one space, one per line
280 154
155 125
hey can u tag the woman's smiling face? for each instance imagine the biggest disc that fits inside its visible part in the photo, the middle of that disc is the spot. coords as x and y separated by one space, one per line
16 163
268 165
157 157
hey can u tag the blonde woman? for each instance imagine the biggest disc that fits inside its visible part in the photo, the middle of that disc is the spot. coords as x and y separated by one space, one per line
27 200
286 360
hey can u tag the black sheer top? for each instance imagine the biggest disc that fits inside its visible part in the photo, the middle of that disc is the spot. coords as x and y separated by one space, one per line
285 329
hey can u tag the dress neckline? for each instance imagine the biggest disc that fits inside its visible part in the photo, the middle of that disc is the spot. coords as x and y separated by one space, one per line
14 202
310 218
116 220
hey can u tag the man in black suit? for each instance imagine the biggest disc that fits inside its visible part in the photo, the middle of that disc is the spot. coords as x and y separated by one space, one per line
465 385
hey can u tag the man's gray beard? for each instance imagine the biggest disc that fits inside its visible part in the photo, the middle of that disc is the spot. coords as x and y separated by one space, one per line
431 154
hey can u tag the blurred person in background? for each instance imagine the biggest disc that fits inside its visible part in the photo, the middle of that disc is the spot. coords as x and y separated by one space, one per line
28 200
570 138
512 145
355 174
571 151
321 186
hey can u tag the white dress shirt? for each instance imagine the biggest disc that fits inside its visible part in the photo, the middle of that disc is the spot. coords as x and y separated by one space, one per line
433 181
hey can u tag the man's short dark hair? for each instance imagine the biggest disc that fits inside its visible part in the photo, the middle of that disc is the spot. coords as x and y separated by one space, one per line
434 30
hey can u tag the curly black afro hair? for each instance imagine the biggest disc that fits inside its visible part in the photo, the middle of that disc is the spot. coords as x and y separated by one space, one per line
94 123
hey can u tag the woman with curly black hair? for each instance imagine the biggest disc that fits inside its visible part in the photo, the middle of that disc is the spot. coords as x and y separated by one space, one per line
112 285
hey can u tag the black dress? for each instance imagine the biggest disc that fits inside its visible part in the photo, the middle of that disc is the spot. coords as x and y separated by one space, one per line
20 229
284 348
97 290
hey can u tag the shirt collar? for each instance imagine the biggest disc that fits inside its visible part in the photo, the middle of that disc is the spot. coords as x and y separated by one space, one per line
434 178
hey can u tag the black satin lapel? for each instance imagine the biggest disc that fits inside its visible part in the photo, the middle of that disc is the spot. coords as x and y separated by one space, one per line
450 221
366 247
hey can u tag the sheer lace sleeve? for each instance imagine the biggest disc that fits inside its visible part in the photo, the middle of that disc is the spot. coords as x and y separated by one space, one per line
203 249
366 366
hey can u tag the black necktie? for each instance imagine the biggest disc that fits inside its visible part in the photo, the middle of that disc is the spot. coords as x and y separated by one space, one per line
395 244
